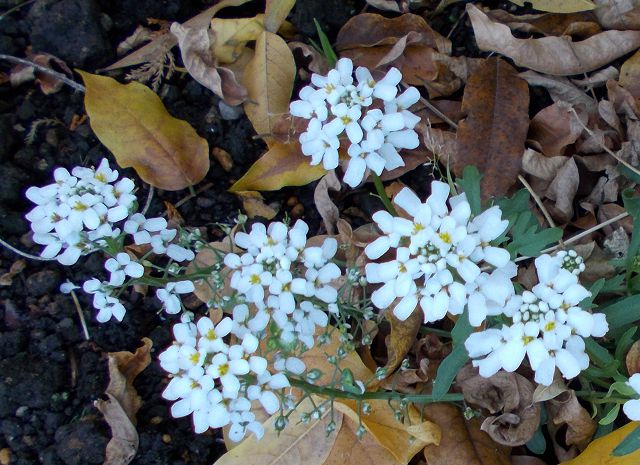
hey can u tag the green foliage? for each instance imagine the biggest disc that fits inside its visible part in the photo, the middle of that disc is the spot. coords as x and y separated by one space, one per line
470 184
325 46
629 444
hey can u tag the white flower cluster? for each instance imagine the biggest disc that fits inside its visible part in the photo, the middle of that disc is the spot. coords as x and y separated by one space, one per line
373 116
284 281
216 382
546 325
631 408
440 254
76 212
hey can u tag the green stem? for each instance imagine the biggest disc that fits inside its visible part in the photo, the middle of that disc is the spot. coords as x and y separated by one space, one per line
338 394
377 182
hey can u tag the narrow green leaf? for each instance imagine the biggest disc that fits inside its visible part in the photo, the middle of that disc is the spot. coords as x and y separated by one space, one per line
629 444
470 184
624 343
598 354
451 365
611 415
623 312
327 49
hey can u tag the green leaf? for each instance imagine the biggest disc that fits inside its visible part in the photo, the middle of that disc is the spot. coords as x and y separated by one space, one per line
611 415
452 364
632 204
595 290
599 354
537 444
623 311
629 444
327 49
629 174
470 184
624 343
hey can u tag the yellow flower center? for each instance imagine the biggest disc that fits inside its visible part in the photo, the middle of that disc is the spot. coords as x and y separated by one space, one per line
101 177
445 237
211 335
254 279
527 339
550 326
194 358
223 369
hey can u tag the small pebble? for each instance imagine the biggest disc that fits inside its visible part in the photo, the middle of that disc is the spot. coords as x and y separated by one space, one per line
297 211
222 157
5 456
166 438
156 420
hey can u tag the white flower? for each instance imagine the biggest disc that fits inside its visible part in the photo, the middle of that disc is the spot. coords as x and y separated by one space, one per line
122 266
320 146
211 336
169 296
141 227
631 407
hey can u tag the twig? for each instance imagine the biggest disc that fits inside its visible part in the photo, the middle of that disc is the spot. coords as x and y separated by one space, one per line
83 323
147 204
206 187
24 254
15 8
44 69
538 201
457 23
606 149
438 113
577 237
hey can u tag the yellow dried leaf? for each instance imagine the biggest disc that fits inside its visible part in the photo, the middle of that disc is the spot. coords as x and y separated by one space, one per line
402 337
231 35
391 434
254 205
276 12
599 451
131 121
558 6
298 443
269 81
348 449
283 165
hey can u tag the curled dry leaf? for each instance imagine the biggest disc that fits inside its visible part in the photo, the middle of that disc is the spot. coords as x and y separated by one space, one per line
442 144
618 14
563 189
565 410
230 36
321 198
402 440
269 80
385 5
48 84
123 403
582 24
558 56
599 78
555 127
632 359
276 11
536 164
283 165
401 339
630 75
492 136
556 6
509 395
544 393
254 205
561 89
463 442
314 60
131 121
195 48
300 442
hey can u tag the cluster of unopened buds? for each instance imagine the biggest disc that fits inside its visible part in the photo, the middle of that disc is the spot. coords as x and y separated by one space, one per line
375 119
545 324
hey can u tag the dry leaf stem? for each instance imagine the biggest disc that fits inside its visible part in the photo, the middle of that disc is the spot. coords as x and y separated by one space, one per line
44 69
538 201
83 323
24 254
604 147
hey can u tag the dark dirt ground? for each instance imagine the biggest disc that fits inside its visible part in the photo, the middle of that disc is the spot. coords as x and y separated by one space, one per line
49 375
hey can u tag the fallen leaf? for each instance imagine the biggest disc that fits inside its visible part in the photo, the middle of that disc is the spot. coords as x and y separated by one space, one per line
443 144
167 41
508 397
544 393
131 121
618 14
123 403
632 359
231 36
581 24
138 37
493 134
599 451
559 56
403 441
254 205
599 78
630 75
563 189
536 164
555 127
558 6
276 12
401 338
283 165
195 48
565 410
561 89
300 442
348 449
48 84
385 5
463 442
269 81
322 200
16 268
315 61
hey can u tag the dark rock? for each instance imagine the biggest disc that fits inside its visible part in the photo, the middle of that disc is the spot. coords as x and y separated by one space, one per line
331 14
12 343
6 131
70 30
42 282
49 457
6 45
81 443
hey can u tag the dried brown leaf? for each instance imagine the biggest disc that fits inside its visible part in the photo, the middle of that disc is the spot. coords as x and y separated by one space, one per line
321 198
123 445
207 257
618 14
544 393
555 127
558 56
276 11
195 48
561 89
492 136
315 61
582 24
138 37
463 442
348 449
536 164
509 399
599 78
565 410
254 205
563 189
16 268
632 359
401 339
